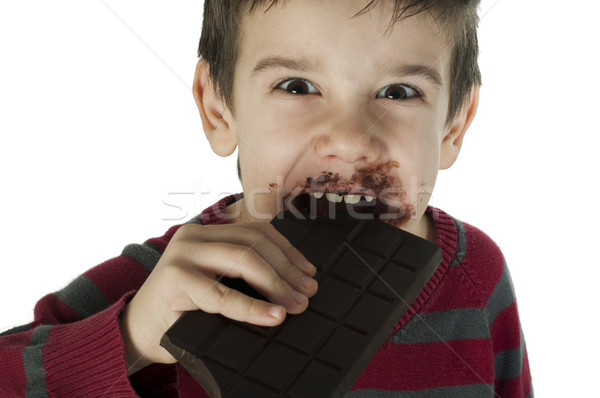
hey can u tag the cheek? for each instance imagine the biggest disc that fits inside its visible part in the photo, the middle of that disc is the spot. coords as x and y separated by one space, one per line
413 141
276 126
424 166
412 138
268 147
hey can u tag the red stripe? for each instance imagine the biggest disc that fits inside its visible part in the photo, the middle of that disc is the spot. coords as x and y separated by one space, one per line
11 363
429 365
161 242
445 297
50 310
486 263
506 329
85 358
121 274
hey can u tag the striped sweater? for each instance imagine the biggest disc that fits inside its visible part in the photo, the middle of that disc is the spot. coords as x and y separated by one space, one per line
460 338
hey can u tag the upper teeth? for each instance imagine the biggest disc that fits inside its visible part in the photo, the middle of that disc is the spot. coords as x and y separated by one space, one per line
334 197
351 198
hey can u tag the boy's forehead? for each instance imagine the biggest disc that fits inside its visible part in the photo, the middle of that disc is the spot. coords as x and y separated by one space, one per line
314 31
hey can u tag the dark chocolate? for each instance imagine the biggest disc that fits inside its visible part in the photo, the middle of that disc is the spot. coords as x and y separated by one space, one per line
369 273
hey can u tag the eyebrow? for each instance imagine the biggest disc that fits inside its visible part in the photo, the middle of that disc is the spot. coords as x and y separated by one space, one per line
299 64
305 65
430 73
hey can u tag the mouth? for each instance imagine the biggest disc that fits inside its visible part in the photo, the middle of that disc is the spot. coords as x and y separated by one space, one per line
371 192
356 204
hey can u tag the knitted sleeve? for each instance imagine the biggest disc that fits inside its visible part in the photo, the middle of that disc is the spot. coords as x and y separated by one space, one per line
512 377
73 347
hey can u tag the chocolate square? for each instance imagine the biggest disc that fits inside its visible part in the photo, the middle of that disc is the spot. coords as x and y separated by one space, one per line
235 347
276 365
305 331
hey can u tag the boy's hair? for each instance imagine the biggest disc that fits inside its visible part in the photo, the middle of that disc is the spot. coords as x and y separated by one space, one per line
458 19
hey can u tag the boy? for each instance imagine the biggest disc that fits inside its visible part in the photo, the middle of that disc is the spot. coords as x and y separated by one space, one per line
344 100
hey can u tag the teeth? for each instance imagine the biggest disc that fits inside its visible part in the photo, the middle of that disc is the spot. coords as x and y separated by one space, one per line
334 197
351 199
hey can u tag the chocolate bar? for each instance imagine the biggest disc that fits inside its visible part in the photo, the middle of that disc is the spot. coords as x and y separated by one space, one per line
368 272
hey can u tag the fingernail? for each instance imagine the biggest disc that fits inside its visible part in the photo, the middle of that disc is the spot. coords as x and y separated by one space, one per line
275 312
299 297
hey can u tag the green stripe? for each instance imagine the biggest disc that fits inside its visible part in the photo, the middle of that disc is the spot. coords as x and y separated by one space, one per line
33 363
470 391
197 219
459 324
17 329
84 297
508 364
461 244
144 254
502 296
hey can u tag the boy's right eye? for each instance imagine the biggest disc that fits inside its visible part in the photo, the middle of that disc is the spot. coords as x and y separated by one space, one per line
297 86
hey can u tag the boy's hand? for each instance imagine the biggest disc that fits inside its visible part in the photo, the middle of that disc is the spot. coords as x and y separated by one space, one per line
186 278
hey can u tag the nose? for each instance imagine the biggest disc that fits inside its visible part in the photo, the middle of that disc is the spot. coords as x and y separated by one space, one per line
350 138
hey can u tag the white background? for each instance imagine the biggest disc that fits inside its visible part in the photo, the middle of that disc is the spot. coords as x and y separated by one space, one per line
98 129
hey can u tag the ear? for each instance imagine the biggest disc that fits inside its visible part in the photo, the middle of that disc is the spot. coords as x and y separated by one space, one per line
453 138
221 137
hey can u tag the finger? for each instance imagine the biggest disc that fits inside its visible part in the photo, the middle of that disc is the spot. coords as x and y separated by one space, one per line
213 297
284 257
240 232
274 249
293 254
237 261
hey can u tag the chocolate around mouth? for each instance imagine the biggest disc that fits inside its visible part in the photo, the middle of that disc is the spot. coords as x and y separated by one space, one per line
375 182
311 207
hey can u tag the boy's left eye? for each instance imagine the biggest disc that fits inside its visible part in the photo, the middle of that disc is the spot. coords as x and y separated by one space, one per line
297 86
398 92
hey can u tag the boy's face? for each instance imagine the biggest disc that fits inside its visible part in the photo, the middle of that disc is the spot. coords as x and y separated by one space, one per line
321 95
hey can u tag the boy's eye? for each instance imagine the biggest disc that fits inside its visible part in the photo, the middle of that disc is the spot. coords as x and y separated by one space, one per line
398 92
297 86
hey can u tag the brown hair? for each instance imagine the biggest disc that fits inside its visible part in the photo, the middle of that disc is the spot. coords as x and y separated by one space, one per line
457 18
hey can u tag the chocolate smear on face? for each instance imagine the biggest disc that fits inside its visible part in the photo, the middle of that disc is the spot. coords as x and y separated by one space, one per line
373 180
377 178
326 179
